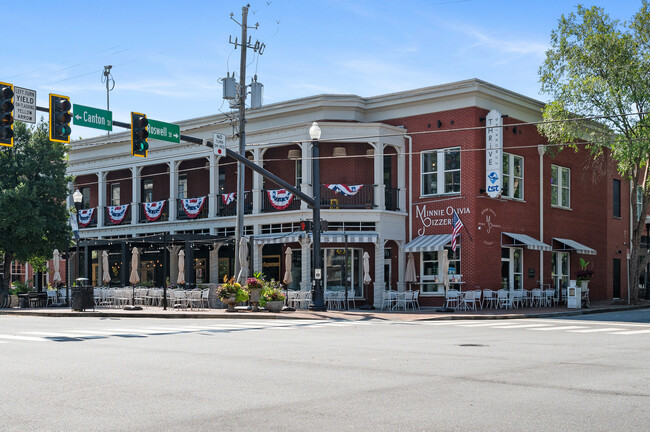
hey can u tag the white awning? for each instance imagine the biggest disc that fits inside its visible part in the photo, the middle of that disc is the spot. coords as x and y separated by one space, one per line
428 243
570 245
520 240
291 237
352 237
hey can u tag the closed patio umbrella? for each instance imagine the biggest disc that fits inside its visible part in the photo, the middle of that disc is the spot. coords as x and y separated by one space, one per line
366 268
243 260
287 266
410 275
134 278
181 268
106 276
56 263
445 269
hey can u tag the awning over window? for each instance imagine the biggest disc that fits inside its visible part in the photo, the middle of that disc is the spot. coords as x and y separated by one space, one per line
572 245
428 243
359 237
291 237
519 240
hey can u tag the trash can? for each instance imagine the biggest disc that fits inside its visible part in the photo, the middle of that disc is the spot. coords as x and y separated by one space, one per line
82 298
23 302
574 296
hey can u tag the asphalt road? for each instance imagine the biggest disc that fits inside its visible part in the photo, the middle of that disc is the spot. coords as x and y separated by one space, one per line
587 373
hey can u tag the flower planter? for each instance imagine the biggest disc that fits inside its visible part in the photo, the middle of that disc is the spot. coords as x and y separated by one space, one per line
231 302
274 306
255 297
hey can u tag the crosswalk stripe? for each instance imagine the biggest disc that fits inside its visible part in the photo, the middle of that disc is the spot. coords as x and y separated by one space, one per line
596 330
557 328
488 324
516 326
631 332
24 338
47 334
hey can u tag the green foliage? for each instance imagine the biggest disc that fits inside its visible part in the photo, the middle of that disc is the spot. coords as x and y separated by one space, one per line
231 288
271 291
33 192
18 287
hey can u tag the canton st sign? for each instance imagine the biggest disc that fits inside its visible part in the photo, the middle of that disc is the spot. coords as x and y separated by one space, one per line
92 117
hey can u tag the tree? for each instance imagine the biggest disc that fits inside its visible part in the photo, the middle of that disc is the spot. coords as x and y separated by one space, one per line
33 191
598 66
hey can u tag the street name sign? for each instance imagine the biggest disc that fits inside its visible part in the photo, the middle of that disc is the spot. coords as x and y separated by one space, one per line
92 117
164 131
24 105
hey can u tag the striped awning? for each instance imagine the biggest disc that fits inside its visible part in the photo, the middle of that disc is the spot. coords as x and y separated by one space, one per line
572 245
352 237
428 243
291 237
520 240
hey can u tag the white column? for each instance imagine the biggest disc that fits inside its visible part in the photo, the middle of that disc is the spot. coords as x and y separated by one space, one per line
305 249
380 189
214 264
101 197
135 192
173 189
257 182
71 189
379 284
212 183
307 181
401 266
401 178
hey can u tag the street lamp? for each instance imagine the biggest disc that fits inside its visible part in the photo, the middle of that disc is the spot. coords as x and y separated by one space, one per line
318 297
77 197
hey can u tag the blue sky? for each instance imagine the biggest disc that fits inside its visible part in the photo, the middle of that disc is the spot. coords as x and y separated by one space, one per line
168 55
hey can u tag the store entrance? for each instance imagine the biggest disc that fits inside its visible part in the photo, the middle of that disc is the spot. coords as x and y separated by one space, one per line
271 257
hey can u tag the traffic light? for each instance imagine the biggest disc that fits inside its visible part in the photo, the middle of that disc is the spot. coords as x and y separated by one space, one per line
6 114
60 118
139 134
305 225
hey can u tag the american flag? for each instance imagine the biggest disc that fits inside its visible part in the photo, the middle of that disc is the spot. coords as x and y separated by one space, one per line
456 224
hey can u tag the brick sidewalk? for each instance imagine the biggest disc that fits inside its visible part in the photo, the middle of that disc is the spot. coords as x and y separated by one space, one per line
417 315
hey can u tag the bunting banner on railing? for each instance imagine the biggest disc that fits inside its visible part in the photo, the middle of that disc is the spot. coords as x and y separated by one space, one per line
280 198
117 213
153 210
344 189
228 197
192 206
85 216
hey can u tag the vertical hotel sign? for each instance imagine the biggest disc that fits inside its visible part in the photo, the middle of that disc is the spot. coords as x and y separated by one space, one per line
493 153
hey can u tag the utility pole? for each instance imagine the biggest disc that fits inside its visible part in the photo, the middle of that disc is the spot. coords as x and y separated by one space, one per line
241 93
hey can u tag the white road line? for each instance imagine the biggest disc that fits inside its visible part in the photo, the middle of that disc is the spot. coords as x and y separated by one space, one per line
484 324
123 331
442 323
631 332
516 326
47 334
596 330
25 338
558 328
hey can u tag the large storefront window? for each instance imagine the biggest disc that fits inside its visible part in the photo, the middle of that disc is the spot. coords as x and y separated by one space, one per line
560 269
334 261
431 273
512 268
441 172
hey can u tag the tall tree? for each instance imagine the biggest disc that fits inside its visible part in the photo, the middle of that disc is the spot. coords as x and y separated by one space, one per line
599 66
33 191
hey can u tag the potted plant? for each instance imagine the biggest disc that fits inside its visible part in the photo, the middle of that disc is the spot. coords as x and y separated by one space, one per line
583 276
231 293
254 285
272 296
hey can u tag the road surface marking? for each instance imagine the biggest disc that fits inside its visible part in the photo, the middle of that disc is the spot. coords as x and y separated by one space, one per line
24 338
596 330
558 328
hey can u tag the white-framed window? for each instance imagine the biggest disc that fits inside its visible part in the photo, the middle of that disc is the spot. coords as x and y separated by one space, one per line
147 190
431 272
441 172
334 261
298 173
115 194
513 176
182 186
639 201
560 269
560 186
512 268
85 197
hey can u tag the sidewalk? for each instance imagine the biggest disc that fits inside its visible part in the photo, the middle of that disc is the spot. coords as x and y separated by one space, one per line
423 314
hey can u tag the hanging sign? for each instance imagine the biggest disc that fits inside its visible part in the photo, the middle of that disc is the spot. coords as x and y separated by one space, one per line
192 206
85 216
280 198
493 153
153 210
117 213
344 189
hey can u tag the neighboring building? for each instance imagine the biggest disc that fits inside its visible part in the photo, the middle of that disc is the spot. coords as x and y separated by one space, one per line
416 155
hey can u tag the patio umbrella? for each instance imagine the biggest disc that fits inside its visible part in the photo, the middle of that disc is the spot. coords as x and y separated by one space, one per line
106 276
243 260
56 263
134 278
445 269
287 266
410 275
181 268
366 268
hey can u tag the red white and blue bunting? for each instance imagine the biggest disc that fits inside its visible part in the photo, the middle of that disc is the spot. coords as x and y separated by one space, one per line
280 198
117 213
228 197
85 216
344 189
153 210
192 206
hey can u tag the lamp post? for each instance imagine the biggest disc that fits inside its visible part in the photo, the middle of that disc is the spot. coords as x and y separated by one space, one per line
318 297
77 197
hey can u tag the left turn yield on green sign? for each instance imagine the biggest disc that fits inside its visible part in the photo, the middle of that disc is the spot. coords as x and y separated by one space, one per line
92 117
